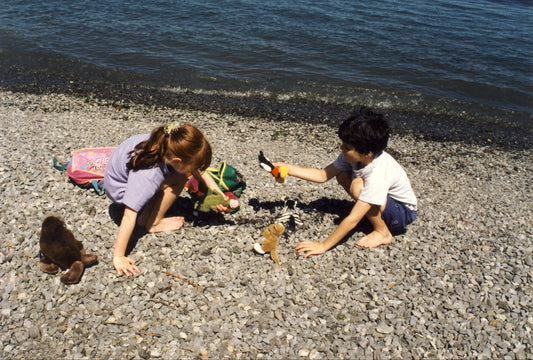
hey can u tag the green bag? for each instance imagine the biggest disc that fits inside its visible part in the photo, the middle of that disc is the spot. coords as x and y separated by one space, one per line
227 178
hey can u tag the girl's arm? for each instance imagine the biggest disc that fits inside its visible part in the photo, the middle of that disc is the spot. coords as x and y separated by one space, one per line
311 174
123 264
211 184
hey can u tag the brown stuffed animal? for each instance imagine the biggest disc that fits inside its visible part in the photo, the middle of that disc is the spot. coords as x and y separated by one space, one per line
270 243
60 249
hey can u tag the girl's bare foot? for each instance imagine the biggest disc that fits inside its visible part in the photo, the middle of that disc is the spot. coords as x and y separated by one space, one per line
374 239
168 224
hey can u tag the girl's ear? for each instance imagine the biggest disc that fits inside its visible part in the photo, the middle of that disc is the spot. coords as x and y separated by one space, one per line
175 160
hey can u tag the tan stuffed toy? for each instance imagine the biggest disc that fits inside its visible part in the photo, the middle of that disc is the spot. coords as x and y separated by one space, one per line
60 249
270 243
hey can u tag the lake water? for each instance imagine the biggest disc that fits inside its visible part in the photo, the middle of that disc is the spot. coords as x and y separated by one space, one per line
473 55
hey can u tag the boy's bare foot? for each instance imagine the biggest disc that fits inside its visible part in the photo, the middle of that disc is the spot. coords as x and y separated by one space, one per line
374 239
168 224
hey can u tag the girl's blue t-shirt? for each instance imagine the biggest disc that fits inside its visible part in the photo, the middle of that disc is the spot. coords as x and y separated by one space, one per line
133 188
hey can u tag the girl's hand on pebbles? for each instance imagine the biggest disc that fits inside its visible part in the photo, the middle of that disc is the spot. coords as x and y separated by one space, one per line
311 248
125 266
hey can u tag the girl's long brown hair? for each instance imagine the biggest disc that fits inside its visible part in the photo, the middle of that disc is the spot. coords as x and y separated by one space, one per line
186 142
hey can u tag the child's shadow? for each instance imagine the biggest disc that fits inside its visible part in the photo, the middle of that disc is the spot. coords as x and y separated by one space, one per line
332 206
342 209
272 206
181 207
185 207
116 212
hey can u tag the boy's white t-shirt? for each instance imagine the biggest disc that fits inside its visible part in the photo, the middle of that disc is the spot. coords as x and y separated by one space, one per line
382 177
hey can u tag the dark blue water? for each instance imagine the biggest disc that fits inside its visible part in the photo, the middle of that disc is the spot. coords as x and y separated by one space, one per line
466 54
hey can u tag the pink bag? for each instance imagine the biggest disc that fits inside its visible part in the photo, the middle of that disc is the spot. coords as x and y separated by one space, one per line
87 167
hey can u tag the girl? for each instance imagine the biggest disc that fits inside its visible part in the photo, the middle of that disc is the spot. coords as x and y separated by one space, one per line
146 173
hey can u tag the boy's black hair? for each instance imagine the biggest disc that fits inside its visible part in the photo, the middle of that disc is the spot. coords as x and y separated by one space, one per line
366 131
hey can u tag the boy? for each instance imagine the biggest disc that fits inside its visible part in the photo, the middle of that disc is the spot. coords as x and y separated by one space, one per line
379 185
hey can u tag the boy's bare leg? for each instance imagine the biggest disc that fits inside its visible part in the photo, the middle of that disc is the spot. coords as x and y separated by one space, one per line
152 217
381 234
352 186
344 178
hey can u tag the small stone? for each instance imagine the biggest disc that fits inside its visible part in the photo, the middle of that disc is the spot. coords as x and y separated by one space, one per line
501 317
155 353
142 325
34 332
384 328
373 316
494 323
303 353
314 354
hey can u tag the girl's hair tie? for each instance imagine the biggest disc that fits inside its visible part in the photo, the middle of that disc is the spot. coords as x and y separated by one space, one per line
170 128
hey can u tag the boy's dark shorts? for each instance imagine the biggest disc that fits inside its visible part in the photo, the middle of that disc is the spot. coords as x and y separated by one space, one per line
397 216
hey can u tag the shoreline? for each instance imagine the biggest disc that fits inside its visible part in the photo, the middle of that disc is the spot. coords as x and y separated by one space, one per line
104 86
456 285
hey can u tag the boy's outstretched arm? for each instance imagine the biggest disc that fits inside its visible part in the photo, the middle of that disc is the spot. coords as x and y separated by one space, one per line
311 174
359 210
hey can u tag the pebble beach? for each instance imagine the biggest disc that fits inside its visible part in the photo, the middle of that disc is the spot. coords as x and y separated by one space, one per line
457 284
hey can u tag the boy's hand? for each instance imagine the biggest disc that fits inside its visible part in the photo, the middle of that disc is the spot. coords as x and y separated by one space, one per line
125 266
312 248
